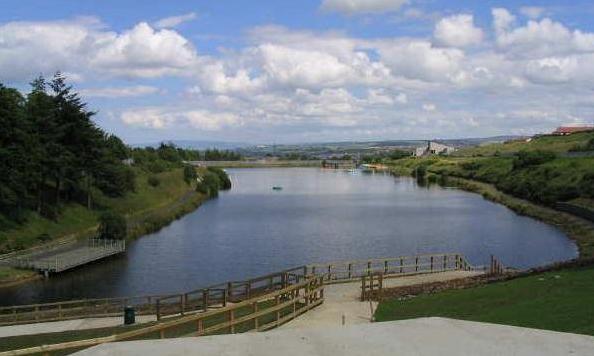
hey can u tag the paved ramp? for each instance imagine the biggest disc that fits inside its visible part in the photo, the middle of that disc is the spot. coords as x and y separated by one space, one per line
343 300
425 336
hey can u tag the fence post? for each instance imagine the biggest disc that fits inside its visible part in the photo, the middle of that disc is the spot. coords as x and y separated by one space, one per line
362 288
369 268
277 302
182 304
231 320
431 263
350 270
158 308
225 296
255 308
401 265
205 293
445 262
230 289
329 272
381 287
200 327
386 266
416 263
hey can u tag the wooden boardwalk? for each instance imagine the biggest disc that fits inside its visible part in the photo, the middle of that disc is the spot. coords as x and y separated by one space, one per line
70 256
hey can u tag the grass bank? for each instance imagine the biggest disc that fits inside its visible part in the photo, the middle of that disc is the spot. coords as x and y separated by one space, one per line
484 175
559 300
147 209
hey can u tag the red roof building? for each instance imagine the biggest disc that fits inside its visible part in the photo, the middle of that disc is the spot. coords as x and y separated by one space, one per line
568 130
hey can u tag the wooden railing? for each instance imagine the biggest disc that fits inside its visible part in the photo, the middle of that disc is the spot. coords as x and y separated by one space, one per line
344 271
211 297
219 295
260 313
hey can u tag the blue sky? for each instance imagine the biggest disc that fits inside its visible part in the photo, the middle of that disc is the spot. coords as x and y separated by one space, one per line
302 71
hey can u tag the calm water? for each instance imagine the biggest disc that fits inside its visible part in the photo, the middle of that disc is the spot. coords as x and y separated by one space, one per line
320 215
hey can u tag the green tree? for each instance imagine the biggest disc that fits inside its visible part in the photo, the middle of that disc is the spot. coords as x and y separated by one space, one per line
189 174
112 226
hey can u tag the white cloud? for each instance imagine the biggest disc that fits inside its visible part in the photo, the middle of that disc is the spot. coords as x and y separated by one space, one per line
502 20
457 31
174 21
429 107
533 12
298 83
539 39
417 59
119 92
144 52
209 121
153 118
163 118
83 45
352 7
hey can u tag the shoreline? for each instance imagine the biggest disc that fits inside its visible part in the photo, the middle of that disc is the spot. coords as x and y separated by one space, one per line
577 229
144 223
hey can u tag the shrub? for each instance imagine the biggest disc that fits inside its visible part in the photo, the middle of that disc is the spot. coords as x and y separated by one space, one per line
587 184
153 181
112 226
224 181
532 158
189 174
44 237
211 184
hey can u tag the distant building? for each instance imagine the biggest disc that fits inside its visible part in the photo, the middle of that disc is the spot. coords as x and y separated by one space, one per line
433 148
568 130
128 161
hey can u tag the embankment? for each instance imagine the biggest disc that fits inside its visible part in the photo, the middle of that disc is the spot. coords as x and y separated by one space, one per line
576 228
147 209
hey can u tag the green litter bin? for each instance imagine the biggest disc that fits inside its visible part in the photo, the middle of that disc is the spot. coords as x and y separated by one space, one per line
129 315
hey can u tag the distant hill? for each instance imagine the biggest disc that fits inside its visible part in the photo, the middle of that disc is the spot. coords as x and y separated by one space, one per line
198 145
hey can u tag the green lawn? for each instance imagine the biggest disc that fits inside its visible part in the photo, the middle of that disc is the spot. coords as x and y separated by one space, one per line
560 301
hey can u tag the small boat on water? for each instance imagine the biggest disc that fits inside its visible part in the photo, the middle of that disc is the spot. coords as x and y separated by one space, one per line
277 187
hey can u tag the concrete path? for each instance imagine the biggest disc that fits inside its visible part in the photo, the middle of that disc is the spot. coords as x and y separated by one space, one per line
425 336
59 326
339 299
343 300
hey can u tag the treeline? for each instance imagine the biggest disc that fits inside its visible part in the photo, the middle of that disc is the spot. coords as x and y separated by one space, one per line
52 153
216 155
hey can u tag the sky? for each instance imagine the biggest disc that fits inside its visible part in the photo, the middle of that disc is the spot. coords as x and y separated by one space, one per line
310 70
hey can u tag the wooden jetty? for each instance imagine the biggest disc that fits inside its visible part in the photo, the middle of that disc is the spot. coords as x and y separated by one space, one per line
70 256
339 164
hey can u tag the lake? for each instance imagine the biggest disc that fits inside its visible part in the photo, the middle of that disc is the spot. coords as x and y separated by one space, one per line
319 215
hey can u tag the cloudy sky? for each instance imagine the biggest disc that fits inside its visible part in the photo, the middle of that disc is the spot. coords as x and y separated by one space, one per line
310 70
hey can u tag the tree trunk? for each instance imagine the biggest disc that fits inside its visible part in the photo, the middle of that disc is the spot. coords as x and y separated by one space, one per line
58 191
89 197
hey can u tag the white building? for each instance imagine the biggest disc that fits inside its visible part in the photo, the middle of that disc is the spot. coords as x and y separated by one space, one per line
433 148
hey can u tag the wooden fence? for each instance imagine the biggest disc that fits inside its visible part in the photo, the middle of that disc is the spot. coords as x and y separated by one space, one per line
219 295
212 297
345 271
260 313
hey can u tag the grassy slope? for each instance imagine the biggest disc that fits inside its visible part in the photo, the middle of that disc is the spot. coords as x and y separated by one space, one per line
147 209
560 301
558 144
